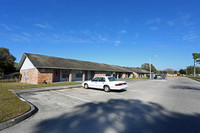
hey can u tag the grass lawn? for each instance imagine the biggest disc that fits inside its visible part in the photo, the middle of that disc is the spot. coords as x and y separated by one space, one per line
11 106
195 78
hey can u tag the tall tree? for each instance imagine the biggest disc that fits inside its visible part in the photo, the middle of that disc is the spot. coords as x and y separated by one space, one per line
196 57
182 71
169 70
145 66
7 61
190 70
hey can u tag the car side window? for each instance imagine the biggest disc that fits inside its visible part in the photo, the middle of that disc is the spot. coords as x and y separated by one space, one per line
101 79
95 79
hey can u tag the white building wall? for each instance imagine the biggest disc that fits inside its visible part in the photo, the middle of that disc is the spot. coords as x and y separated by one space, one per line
27 65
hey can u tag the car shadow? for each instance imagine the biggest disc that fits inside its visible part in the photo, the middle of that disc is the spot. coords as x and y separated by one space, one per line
118 91
120 116
185 87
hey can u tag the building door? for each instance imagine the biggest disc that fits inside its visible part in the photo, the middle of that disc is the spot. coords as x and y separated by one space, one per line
92 75
86 75
120 75
56 75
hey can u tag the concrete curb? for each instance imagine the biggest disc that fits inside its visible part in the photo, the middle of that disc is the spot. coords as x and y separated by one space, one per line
33 109
20 118
44 89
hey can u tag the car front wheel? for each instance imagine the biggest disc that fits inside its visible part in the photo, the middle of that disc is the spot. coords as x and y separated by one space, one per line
86 86
106 88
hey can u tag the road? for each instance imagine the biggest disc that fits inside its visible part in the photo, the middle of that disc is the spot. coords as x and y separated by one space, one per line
148 106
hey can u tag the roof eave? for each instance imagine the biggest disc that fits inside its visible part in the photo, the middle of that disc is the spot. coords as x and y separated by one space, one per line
21 62
80 69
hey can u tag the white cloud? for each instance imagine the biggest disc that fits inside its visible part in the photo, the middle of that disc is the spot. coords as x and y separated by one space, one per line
170 23
117 43
185 16
5 26
21 38
44 26
163 46
123 31
86 32
154 21
155 56
133 43
26 34
50 38
189 37
126 21
153 28
101 38
136 35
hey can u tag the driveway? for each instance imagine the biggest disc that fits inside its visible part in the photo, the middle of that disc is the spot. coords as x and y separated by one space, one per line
148 106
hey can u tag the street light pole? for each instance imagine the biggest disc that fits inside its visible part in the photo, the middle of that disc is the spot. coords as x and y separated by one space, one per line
150 67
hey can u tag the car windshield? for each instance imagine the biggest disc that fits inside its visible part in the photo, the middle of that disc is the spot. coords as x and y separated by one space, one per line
112 79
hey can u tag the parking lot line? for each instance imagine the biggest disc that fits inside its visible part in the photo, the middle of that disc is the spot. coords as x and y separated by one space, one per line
84 100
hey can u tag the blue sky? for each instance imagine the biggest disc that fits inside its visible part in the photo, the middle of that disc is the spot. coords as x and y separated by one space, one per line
119 32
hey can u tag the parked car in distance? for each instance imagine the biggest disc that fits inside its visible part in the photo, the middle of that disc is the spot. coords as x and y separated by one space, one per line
106 83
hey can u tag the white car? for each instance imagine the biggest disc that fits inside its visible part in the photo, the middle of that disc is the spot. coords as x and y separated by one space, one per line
106 83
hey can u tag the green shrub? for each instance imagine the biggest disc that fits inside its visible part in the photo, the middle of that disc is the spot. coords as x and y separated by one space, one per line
16 74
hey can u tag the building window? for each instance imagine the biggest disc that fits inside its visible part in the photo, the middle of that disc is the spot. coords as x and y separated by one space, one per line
78 74
43 70
25 74
64 73
108 74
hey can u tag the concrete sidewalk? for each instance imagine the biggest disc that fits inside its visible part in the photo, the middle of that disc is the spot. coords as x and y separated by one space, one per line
44 89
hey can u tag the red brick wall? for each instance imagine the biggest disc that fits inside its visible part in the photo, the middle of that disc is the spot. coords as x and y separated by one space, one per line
45 74
32 76
37 76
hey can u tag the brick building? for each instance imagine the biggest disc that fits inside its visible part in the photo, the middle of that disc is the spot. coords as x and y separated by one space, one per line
36 69
139 73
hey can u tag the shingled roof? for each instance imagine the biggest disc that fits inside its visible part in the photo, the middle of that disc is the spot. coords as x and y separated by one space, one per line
43 61
133 69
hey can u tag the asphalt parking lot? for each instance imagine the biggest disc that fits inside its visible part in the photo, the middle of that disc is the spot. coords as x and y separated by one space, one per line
147 106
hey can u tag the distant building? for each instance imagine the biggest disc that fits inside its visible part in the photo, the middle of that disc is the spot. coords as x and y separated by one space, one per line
172 74
138 72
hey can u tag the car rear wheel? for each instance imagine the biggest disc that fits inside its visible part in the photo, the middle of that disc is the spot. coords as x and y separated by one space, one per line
106 88
86 86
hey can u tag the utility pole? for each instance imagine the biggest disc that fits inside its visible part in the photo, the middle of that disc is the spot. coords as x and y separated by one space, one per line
194 67
150 67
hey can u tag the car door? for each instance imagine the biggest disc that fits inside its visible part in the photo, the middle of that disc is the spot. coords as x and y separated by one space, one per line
93 83
100 82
